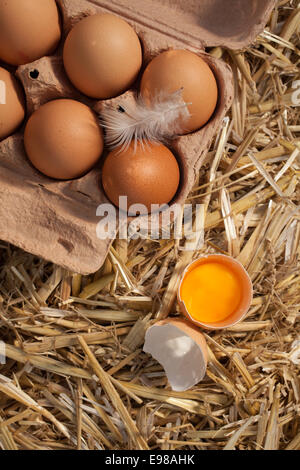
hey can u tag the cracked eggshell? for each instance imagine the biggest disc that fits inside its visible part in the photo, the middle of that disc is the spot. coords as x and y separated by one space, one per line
181 349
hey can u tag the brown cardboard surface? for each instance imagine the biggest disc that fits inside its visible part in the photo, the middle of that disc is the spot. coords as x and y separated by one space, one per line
57 220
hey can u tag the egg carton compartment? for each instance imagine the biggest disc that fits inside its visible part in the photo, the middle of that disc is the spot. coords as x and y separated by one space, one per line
57 220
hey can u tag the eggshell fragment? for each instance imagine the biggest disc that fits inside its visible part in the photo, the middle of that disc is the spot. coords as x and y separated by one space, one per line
12 104
147 174
102 56
175 69
63 139
29 30
181 349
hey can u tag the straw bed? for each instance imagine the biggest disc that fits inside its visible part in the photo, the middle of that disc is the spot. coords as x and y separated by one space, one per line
75 375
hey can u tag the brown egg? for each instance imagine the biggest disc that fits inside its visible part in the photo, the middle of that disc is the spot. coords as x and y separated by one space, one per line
147 175
29 30
63 139
102 56
12 104
176 69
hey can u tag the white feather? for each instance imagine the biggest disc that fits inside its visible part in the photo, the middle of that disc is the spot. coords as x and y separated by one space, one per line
140 123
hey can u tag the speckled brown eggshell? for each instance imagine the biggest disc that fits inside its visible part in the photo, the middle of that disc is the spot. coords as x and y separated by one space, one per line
147 175
175 69
29 30
12 104
63 139
102 56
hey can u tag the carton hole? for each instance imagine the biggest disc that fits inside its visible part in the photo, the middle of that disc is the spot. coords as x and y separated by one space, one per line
34 74
69 247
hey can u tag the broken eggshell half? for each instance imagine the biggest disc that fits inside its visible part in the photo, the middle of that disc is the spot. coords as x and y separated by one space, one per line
237 270
181 349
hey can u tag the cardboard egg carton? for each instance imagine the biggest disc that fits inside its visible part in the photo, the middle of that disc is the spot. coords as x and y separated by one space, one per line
57 220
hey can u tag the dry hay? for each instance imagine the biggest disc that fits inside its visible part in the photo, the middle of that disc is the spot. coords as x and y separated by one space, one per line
75 379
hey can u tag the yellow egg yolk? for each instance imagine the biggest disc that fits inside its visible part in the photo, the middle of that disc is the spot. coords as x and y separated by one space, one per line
211 292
